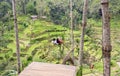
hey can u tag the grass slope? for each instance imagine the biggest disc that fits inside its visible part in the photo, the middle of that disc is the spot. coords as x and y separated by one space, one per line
35 45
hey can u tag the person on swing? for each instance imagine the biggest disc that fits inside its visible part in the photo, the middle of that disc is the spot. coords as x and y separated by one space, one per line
57 41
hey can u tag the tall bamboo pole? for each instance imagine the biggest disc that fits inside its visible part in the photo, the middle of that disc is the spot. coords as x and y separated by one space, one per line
16 35
71 27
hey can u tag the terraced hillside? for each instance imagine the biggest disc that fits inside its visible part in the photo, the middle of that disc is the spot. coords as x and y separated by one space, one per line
35 45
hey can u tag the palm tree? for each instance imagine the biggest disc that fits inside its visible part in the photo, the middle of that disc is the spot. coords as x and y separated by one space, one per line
106 42
16 36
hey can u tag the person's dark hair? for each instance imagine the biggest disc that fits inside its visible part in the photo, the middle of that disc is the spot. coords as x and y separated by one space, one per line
58 41
53 39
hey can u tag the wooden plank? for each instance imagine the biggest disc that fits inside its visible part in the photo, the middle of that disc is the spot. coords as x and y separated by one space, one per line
46 69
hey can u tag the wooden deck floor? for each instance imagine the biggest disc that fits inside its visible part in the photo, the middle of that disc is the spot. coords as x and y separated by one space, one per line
45 69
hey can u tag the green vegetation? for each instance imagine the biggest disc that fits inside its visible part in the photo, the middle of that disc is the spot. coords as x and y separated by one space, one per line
35 43
35 36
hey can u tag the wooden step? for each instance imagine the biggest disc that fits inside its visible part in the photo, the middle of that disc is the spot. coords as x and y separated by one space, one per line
47 69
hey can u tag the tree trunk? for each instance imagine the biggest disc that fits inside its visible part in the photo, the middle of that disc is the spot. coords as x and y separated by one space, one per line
23 7
106 43
67 58
16 36
71 26
84 21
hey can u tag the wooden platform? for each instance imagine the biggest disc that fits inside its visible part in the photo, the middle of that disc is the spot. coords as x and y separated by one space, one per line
45 69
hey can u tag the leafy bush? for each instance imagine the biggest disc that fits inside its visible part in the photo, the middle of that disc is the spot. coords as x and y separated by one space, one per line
113 63
12 59
31 8
9 73
29 58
